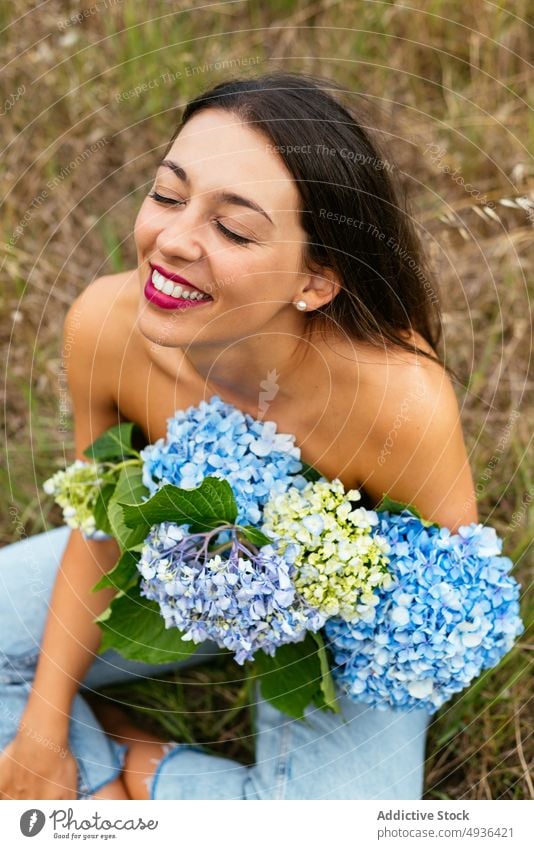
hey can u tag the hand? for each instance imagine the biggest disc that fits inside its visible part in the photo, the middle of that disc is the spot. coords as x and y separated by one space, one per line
31 770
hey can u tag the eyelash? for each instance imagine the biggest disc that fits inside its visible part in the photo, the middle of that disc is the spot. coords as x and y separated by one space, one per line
240 240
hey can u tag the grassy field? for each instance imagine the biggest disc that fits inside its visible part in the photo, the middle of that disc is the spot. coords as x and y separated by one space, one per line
89 102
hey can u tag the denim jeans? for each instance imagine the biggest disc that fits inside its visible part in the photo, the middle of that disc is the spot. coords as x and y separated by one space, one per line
362 753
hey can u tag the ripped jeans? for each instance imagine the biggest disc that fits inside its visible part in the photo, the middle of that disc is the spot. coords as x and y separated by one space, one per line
361 753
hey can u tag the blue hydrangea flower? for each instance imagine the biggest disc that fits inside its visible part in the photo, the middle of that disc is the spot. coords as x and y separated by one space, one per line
452 611
216 439
242 600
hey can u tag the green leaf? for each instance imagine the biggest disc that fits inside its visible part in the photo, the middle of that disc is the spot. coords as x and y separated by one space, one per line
254 535
135 628
115 444
328 689
129 487
101 508
327 682
391 506
204 508
310 473
292 679
124 574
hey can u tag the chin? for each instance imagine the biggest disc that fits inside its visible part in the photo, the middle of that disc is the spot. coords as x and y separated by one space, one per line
162 333
170 333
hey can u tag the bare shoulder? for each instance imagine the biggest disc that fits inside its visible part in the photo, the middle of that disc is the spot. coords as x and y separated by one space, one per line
391 380
95 329
414 443
107 302
103 299
399 382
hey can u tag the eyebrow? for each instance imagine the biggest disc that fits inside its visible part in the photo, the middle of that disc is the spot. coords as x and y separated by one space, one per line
225 197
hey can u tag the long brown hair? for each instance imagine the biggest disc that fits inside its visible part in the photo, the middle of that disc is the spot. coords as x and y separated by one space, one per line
352 212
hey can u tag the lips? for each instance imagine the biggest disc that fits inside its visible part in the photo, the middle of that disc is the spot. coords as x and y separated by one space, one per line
170 295
176 278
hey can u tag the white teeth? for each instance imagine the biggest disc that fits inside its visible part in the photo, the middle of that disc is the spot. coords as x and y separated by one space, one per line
162 284
158 280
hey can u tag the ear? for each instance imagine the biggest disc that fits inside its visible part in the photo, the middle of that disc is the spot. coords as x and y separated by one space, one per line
320 288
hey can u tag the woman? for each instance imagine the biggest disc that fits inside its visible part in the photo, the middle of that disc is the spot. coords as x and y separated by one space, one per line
277 269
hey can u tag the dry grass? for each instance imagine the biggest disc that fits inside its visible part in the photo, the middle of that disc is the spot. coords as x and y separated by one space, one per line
442 73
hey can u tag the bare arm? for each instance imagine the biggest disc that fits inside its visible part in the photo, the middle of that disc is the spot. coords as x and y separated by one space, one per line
31 768
71 637
37 763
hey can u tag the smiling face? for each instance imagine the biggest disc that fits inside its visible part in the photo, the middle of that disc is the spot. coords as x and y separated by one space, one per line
222 215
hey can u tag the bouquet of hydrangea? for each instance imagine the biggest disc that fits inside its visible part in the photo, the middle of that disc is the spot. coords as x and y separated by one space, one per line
226 536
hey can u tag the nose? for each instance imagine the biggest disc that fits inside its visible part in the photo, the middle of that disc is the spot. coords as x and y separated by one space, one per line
182 237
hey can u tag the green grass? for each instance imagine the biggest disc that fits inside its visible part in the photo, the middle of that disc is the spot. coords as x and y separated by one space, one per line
441 72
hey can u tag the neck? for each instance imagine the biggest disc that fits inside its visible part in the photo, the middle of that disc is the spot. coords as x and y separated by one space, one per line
253 371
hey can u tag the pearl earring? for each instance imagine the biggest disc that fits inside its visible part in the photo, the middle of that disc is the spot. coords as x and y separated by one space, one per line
301 305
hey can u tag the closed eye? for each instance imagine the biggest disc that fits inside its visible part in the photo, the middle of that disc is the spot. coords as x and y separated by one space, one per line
234 237
240 240
162 199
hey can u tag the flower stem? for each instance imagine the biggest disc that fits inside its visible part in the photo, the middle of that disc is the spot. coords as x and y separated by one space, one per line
132 462
223 547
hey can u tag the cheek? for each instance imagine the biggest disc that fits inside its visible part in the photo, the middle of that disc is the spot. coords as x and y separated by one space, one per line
233 274
255 278
145 227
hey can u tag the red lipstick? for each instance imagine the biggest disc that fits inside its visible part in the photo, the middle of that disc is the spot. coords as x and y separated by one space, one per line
166 301
174 277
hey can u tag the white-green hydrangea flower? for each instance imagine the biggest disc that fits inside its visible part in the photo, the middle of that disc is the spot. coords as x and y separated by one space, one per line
76 490
340 559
